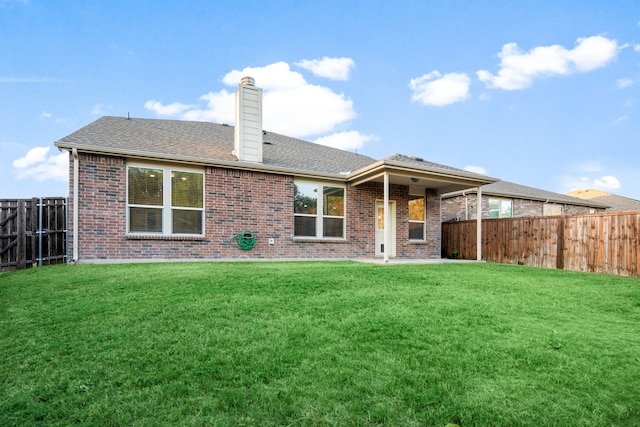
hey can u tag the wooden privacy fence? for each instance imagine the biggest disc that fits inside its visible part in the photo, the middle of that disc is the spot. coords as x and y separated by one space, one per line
32 232
601 243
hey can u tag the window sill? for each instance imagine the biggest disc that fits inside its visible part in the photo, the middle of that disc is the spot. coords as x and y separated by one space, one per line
174 237
417 242
318 240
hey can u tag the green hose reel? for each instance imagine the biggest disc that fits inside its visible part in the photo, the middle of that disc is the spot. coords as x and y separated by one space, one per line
245 240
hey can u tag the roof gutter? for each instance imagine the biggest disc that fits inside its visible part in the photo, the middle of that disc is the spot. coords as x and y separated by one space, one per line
238 165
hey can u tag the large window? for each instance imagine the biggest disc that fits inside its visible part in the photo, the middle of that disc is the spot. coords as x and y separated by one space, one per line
162 200
417 217
318 210
500 208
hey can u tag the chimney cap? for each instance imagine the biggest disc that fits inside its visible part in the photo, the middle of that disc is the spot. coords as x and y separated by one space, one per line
247 81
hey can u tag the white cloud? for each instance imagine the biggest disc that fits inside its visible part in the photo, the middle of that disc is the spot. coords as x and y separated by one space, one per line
636 47
331 68
100 110
291 105
33 156
36 165
605 183
620 119
439 90
476 169
273 77
622 83
166 110
219 109
519 69
350 140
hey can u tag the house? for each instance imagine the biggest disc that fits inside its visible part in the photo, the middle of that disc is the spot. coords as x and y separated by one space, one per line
615 202
144 189
503 199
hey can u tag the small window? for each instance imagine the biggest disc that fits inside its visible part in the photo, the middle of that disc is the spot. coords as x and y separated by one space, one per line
318 210
417 217
500 208
164 201
549 209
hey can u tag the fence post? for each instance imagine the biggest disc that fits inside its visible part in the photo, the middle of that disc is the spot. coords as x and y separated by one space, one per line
40 232
560 244
21 236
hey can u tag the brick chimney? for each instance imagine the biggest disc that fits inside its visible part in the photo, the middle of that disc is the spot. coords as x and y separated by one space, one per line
247 136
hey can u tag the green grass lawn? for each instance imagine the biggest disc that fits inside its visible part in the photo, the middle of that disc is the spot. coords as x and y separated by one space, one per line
318 344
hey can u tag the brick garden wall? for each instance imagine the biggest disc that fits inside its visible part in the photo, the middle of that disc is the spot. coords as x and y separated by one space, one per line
235 201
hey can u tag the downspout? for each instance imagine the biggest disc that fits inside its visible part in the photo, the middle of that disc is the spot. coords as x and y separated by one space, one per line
74 152
387 220
479 225
466 206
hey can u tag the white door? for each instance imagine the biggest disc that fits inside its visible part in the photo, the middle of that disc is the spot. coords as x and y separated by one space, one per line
380 249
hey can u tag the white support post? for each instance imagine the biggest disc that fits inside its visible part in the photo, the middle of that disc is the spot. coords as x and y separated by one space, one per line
479 225
387 219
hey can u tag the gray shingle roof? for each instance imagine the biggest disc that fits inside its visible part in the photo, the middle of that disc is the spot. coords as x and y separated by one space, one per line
205 142
618 203
510 189
416 161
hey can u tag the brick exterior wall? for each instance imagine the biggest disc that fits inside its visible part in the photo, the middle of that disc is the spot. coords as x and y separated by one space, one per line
235 201
461 206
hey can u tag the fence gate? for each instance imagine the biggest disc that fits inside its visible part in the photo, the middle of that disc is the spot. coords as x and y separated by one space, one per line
33 232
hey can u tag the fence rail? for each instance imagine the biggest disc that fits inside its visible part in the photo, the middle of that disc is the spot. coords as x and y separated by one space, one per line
602 242
32 232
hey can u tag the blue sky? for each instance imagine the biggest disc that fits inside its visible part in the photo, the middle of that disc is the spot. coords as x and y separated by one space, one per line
542 93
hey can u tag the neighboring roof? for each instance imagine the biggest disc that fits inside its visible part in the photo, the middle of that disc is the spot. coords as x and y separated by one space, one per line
205 143
615 202
510 189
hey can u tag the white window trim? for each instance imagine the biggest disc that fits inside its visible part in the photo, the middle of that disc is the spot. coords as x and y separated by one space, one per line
319 216
167 223
424 216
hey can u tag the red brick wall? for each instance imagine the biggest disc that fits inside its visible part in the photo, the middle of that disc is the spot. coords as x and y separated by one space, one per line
235 201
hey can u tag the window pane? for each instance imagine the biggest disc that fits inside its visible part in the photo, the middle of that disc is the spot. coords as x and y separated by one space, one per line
416 208
187 222
505 209
305 199
494 208
380 218
145 220
333 227
416 230
333 202
186 189
305 226
145 186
